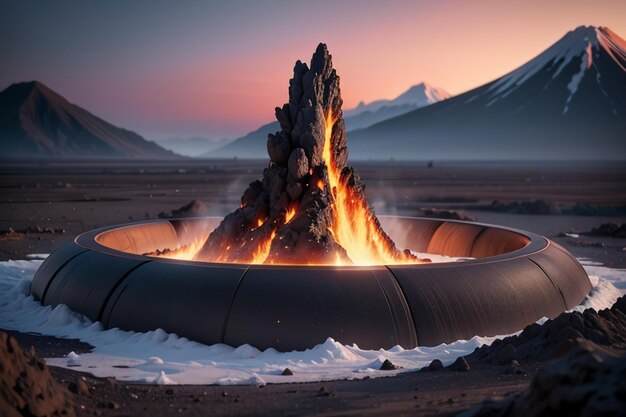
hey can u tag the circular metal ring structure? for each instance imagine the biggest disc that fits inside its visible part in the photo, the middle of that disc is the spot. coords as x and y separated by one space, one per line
514 279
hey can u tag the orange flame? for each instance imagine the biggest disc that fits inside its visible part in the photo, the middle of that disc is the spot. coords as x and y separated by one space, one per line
185 252
263 250
290 214
353 226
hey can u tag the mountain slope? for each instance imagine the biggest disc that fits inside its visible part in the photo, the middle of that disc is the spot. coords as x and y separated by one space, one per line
37 122
567 103
253 145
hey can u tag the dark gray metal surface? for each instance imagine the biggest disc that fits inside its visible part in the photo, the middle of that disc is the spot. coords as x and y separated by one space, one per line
48 269
518 278
487 299
88 294
565 272
296 308
191 300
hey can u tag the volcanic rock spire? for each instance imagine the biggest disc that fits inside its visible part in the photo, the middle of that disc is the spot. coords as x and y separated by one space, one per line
309 207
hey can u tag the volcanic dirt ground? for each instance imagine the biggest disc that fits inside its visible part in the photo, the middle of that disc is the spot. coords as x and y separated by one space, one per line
45 203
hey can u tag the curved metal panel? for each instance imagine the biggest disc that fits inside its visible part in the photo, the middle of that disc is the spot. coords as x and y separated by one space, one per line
191 300
407 232
191 228
491 242
291 308
48 269
455 302
398 306
454 239
565 272
140 238
86 282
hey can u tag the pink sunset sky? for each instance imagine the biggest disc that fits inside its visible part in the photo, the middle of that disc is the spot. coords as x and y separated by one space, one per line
179 69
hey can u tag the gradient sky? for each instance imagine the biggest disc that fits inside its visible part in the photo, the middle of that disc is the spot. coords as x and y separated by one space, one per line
218 69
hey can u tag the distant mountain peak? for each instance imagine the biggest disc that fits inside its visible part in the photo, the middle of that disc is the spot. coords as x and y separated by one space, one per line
36 122
418 95
32 91
583 31
420 92
27 86
581 46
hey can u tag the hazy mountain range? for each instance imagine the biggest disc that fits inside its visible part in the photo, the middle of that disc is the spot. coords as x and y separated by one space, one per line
37 122
253 145
569 102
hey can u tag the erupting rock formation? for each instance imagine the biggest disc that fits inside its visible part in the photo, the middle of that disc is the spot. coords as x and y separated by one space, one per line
309 207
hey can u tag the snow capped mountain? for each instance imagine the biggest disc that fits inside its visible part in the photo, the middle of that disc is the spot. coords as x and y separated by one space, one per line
422 95
419 95
569 102
581 44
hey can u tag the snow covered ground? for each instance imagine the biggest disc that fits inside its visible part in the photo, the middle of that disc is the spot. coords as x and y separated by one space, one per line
162 358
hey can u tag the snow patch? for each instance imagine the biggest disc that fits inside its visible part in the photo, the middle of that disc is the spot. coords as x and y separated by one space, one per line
37 256
585 64
599 273
163 379
72 359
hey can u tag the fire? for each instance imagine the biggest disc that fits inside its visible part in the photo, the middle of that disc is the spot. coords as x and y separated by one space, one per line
263 250
353 225
290 214
185 252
